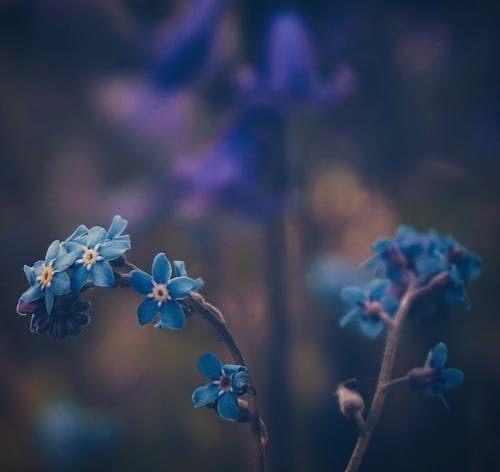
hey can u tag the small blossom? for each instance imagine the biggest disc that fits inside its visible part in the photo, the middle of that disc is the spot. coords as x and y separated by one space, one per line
371 307
433 377
94 250
397 255
69 315
227 382
350 401
161 292
47 278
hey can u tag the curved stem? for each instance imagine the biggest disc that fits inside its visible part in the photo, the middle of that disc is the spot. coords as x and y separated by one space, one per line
196 303
384 379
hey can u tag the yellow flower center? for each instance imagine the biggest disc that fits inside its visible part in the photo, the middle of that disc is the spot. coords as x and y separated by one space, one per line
46 276
90 257
160 293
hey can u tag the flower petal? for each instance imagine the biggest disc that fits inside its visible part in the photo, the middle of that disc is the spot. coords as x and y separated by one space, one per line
171 315
32 294
452 378
141 282
353 295
371 328
60 283
353 315
52 251
64 261
49 301
227 406
438 356
382 245
30 274
147 311
378 288
78 235
210 366
390 305
102 274
202 396
112 249
117 227
179 287
231 369
240 381
180 269
96 235
161 269
79 277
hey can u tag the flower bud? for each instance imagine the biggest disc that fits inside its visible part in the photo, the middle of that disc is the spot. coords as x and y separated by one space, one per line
350 401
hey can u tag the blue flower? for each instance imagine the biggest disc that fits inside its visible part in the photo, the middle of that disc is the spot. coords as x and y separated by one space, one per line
47 278
161 292
227 382
433 377
94 250
397 255
371 306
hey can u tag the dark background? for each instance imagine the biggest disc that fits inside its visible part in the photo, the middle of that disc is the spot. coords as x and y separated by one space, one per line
88 129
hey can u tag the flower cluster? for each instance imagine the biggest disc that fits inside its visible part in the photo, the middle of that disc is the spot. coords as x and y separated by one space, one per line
412 256
55 282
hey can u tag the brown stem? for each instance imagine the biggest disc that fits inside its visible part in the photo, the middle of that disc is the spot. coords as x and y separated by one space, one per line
216 319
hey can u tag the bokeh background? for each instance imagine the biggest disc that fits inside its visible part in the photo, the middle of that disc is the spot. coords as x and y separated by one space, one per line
267 144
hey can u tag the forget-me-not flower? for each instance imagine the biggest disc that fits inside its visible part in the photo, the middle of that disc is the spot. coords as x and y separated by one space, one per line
162 291
371 307
433 377
47 278
94 251
227 382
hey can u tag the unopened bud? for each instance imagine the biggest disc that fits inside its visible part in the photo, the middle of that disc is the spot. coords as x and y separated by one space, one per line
350 401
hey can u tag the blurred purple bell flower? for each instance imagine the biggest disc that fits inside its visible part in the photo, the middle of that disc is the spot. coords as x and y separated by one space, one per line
290 74
184 52
232 173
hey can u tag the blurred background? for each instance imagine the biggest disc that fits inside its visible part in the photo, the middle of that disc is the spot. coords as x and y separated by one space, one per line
267 144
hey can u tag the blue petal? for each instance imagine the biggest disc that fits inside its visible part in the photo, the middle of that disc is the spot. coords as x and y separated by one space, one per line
38 268
102 274
112 249
382 245
240 381
49 301
390 305
227 406
32 294
179 287
210 366
79 277
378 288
64 261
371 328
52 251
162 269
60 283
78 235
451 378
77 248
438 356
202 396
147 311
198 283
30 274
231 369
141 282
117 227
180 269
353 315
171 315
353 295
373 261
96 235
